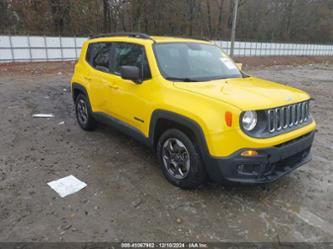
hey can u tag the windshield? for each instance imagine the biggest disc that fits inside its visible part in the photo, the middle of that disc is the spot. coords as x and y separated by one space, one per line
194 62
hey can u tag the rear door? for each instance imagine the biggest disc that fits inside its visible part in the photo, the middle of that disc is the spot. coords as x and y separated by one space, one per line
99 59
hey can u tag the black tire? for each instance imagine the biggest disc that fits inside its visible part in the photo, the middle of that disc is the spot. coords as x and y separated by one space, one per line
88 123
196 175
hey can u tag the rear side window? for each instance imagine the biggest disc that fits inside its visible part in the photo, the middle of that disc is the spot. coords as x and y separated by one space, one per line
127 54
99 56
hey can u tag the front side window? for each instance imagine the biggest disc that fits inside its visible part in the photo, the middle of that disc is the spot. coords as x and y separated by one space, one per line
194 62
127 54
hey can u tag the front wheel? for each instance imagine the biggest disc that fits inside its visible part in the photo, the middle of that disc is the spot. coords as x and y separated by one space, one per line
180 160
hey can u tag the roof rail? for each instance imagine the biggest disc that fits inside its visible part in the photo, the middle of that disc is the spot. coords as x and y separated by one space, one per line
194 38
128 34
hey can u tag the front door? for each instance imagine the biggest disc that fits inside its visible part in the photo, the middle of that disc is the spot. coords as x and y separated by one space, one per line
130 101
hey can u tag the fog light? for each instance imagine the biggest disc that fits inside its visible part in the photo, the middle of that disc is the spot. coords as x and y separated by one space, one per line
249 153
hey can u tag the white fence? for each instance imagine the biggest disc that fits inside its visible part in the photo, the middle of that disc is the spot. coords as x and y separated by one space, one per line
244 48
41 48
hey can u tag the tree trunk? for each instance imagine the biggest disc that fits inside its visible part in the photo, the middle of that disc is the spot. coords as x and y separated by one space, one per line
209 19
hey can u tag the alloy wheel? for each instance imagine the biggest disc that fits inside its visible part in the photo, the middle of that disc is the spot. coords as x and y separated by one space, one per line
82 111
176 158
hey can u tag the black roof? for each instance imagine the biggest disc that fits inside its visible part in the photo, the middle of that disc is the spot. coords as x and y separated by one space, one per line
127 34
137 35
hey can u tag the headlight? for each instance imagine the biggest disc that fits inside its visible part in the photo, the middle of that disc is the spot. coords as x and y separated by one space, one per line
249 120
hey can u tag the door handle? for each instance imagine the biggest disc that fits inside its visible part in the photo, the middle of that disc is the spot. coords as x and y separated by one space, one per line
113 86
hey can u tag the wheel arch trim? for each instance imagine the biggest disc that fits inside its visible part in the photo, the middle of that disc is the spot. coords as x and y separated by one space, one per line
80 87
181 120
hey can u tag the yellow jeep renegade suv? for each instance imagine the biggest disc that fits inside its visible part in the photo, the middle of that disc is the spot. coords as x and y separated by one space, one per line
188 101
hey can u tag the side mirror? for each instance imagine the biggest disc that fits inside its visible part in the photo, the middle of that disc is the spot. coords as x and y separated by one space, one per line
239 66
131 73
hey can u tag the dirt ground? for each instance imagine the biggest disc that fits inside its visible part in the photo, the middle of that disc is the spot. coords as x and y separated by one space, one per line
127 197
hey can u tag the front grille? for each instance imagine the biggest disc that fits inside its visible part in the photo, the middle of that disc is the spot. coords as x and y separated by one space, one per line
287 117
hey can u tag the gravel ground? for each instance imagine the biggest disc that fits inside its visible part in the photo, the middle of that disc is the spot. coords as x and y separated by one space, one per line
127 197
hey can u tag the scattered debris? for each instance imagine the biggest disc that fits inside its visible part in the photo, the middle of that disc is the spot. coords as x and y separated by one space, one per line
61 123
179 220
41 115
67 185
66 226
137 203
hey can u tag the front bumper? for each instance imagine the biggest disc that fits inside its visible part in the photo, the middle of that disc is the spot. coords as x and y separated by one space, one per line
271 163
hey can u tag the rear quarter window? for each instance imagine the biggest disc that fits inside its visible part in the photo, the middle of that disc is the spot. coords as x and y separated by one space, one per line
99 55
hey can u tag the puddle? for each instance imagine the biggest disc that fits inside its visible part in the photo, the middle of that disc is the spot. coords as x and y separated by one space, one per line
312 219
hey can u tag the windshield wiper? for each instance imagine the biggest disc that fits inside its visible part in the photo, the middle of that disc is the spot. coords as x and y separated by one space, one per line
182 79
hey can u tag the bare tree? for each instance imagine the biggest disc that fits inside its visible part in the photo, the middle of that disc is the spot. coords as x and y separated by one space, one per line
275 20
60 10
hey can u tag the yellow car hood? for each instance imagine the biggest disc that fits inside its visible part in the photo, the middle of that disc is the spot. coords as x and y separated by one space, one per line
246 93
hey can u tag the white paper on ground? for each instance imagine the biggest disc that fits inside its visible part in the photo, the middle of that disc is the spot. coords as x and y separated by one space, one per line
67 185
41 115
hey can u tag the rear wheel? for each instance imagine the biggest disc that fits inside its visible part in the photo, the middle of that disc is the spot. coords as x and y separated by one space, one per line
83 113
180 160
